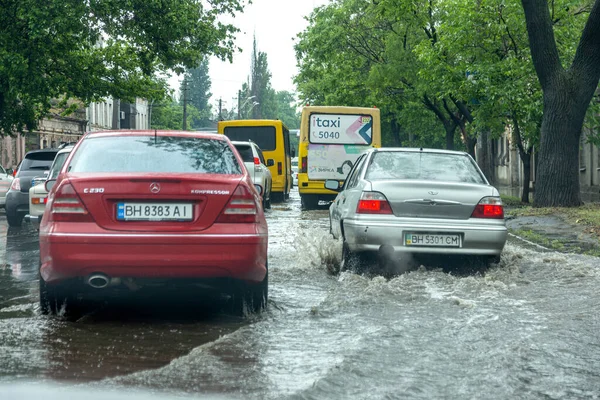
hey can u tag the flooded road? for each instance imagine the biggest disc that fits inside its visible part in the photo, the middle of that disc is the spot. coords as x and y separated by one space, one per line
528 329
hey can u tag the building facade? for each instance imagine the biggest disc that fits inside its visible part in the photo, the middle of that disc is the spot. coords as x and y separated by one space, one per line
56 129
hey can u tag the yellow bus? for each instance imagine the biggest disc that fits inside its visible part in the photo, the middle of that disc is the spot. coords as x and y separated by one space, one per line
273 138
331 139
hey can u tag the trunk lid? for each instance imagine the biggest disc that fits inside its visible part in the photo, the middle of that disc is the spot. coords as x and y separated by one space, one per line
429 199
120 202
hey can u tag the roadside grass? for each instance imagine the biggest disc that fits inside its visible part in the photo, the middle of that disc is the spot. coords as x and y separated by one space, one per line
586 216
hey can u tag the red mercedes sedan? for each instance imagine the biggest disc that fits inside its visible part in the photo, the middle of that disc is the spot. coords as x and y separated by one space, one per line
132 210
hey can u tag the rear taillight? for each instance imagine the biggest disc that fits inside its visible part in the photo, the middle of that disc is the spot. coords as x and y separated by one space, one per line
489 207
279 168
16 184
256 161
241 208
68 207
304 167
373 203
38 200
15 172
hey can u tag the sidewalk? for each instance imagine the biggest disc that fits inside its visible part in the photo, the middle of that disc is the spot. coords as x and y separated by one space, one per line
564 230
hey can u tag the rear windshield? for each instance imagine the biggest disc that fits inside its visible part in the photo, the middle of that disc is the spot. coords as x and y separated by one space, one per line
38 161
263 136
425 166
168 154
245 151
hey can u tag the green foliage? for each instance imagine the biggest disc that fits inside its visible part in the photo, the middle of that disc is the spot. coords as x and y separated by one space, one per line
196 86
392 53
168 114
93 49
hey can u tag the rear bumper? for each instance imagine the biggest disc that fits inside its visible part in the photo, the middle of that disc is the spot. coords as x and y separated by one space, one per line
306 186
147 255
477 237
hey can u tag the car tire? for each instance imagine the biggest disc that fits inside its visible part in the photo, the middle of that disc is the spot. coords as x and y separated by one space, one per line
14 219
251 298
268 202
54 297
357 262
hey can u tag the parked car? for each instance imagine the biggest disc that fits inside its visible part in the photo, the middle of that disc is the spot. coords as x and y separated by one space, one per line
257 168
295 171
135 211
6 179
416 201
35 164
38 194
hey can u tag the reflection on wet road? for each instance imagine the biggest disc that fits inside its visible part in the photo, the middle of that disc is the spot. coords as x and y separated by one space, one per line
525 329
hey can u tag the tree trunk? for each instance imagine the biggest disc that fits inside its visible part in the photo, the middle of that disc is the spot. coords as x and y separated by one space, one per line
526 158
486 158
567 95
471 143
557 181
450 130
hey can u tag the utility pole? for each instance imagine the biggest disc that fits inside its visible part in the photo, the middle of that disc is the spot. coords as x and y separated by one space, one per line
184 103
239 104
220 110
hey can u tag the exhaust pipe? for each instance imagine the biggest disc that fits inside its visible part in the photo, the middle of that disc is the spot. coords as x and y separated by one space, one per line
98 281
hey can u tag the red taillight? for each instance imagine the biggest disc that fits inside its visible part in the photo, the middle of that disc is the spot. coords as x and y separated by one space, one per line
241 207
279 168
304 168
67 206
256 161
16 184
15 172
373 203
489 207
38 200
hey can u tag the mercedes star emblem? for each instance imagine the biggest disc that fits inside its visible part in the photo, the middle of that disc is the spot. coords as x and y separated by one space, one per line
154 187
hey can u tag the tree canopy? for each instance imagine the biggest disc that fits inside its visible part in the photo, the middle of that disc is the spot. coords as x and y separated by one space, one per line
446 73
97 48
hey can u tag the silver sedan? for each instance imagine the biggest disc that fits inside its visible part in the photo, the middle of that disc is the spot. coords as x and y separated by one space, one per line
399 201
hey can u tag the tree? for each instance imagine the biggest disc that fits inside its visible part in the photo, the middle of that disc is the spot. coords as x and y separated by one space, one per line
168 114
196 84
93 49
567 93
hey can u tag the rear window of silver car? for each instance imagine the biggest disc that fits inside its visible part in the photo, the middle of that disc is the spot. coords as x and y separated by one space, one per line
423 166
162 154
245 151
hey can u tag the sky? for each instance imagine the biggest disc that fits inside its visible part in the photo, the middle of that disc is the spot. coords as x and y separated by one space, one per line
275 23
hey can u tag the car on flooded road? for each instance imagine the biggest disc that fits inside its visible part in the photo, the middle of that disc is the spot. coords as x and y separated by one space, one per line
257 168
38 195
5 182
136 210
35 165
399 201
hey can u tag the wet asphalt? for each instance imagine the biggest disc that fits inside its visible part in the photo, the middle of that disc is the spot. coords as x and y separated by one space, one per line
527 328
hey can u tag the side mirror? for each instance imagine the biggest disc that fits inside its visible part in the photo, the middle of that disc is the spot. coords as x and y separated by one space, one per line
332 184
49 184
270 162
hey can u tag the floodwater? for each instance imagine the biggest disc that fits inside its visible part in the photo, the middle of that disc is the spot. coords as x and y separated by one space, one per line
528 328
